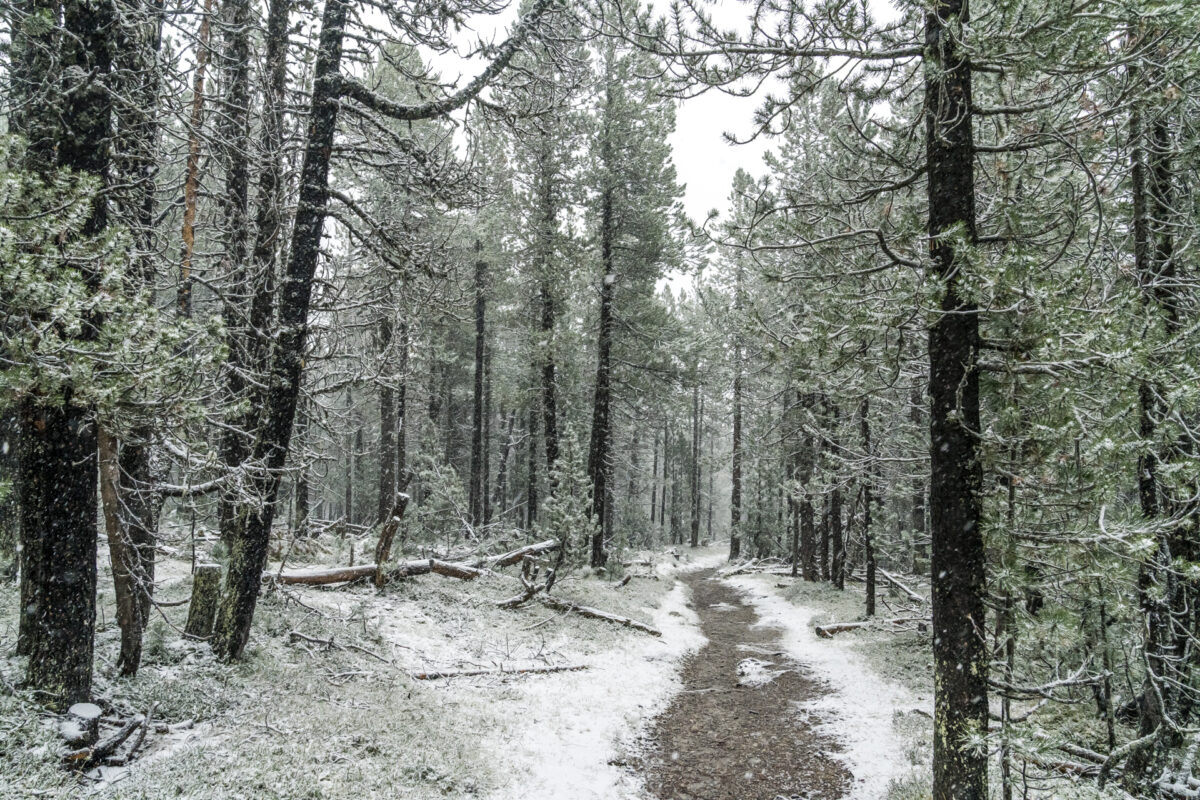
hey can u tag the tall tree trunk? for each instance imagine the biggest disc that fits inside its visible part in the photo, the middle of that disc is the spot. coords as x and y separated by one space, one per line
600 447
868 500
653 484
122 556
920 547
191 180
248 553
531 465
477 489
140 465
402 474
549 384
666 471
1161 593
837 541
300 510
694 483
958 555
486 477
57 477
234 147
735 491
387 429
501 501
711 486
34 118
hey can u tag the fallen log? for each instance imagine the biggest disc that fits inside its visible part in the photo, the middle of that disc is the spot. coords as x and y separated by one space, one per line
1065 767
405 569
595 613
518 555
834 628
463 572
887 576
470 673
319 577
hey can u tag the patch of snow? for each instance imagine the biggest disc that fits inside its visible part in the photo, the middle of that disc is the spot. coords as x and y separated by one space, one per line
577 727
753 672
723 607
861 708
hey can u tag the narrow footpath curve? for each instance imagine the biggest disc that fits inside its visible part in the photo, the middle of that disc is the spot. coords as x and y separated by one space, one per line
735 732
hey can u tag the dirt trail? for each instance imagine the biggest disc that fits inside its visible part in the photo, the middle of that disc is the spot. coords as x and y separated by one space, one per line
731 736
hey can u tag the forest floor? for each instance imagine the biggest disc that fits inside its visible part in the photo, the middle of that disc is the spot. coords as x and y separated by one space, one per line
337 711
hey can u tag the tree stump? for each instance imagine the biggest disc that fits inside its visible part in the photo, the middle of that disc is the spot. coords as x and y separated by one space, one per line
206 592
81 727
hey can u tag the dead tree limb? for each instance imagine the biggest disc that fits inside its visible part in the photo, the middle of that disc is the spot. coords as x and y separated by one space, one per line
463 572
594 613
914 596
518 555
87 757
834 628
470 673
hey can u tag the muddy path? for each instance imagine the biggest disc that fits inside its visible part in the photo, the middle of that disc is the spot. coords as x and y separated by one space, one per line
735 731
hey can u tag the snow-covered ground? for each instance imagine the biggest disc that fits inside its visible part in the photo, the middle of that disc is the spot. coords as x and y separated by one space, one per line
579 725
862 708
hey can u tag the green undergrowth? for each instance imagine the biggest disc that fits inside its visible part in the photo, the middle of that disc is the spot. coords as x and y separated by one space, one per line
906 658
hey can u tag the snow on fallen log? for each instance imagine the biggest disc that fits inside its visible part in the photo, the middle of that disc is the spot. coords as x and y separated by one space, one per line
834 628
470 673
518 555
595 613
890 578
463 572
404 569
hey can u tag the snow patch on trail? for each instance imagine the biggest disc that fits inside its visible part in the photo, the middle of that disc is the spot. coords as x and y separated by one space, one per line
577 727
861 709
753 672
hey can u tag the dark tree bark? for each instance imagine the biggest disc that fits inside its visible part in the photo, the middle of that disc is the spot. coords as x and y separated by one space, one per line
233 134
353 437
920 547
35 97
477 489
300 511
57 481
735 492
531 466
137 464
57 478
121 557
653 482
666 471
486 477
868 501
958 556
837 542
549 383
402 474
694 464
248 551
600 447
387 430
501 501
1163 596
